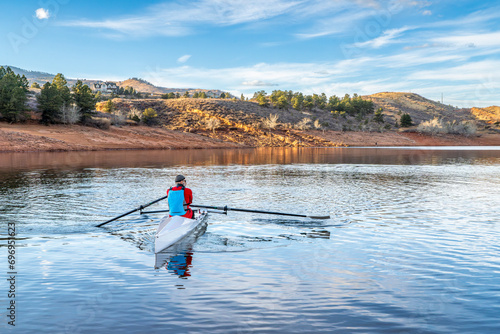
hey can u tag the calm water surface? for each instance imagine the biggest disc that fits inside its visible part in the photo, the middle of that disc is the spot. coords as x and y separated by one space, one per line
412 245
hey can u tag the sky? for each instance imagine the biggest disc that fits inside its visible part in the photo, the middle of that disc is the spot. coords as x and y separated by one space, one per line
447 50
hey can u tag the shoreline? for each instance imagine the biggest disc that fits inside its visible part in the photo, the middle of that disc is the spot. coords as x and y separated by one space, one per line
74 138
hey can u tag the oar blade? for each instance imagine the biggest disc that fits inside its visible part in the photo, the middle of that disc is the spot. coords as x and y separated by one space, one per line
319 217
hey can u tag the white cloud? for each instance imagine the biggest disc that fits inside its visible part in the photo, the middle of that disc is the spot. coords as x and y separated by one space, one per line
471 20
401 72
290 75
177 19
386 38
489 39
474 71
183 59
258 83
344 21
427 13
324 17
42 14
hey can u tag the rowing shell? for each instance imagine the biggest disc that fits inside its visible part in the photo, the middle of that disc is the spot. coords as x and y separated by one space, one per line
173 229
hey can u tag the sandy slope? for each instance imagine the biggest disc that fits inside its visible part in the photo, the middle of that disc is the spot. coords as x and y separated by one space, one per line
406 139
34 137
31 137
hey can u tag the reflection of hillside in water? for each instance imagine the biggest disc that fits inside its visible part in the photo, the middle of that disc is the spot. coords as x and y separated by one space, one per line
258 156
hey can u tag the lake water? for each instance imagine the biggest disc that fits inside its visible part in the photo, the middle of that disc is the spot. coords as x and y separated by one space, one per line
412 246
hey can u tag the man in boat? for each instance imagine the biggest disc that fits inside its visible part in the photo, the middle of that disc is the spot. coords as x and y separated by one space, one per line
179 199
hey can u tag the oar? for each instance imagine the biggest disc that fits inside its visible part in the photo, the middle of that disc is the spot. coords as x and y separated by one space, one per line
139 208
225 208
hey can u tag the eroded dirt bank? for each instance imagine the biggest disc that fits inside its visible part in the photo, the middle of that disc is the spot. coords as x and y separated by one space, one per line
34 137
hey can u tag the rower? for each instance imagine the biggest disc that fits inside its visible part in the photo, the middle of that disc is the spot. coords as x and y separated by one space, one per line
179 199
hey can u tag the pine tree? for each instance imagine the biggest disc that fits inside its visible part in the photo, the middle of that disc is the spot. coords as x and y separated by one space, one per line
333 103
297 101
84 100
149 116
406 120
50 103
13 89
378 117
109 106
308 102
60 83
282 102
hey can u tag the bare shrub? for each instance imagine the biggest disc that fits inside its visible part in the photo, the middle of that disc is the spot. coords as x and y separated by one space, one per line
212 123
270 122
70 114
303 124
118 117
438 126
134 114
100 122
467 128
317 124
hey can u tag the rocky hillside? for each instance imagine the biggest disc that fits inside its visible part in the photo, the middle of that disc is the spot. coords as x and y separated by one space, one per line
250 124
489 114
227 120
419 108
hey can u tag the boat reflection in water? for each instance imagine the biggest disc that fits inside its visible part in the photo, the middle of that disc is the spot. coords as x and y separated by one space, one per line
178 264
178 258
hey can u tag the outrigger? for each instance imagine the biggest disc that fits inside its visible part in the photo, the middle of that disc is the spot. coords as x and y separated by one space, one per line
172 229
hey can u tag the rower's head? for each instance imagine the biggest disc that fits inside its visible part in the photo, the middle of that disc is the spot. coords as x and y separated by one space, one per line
180 179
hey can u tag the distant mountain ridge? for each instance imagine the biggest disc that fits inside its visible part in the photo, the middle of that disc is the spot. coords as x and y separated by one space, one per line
140 85
144 86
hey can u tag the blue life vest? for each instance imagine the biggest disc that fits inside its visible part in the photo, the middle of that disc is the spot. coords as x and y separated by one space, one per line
176 202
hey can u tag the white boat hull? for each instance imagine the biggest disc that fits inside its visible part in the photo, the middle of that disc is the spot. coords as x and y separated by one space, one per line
174 229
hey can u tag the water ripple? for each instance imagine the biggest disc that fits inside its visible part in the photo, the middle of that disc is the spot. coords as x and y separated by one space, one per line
409 249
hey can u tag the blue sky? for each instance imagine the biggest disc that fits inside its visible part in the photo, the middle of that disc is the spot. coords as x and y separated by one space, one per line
331 46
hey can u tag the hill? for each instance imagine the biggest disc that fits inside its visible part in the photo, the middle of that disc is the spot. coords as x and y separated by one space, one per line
488 114
209 123
144 86
227 120
419 108
40 77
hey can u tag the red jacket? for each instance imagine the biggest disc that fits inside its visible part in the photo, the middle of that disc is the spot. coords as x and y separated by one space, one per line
188 195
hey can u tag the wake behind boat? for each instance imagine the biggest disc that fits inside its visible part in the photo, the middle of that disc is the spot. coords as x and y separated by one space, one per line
175 228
